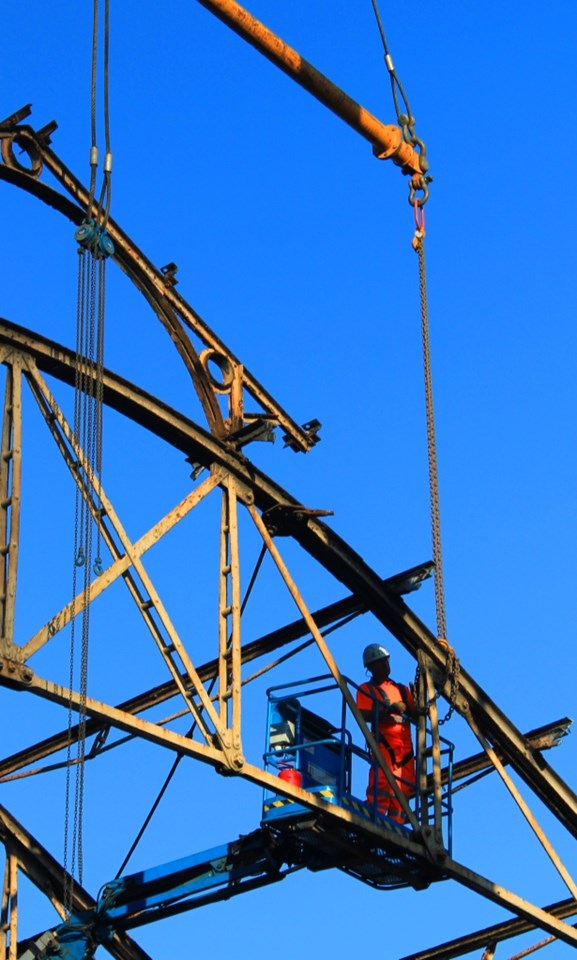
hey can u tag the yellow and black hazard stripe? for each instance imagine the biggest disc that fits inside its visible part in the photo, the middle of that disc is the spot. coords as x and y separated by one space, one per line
277 802
326 793
355 805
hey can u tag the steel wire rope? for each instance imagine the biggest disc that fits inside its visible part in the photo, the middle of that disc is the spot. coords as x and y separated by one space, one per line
396 85
407 122
83 284
105 194
93 80
84 427
88 407
418 183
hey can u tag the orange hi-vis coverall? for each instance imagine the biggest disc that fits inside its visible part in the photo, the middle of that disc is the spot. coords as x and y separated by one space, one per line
393 734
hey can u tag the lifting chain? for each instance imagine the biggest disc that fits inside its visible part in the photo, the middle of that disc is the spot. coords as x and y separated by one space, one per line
453 666
418 196
453 670
419 246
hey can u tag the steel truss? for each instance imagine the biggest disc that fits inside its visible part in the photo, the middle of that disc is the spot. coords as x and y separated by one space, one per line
237 410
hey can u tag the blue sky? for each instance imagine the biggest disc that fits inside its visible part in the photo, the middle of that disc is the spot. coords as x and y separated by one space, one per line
294 244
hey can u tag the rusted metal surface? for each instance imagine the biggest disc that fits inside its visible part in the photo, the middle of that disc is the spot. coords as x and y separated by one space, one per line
140 585
173 311
9 925
329 550
48 876
259 493
386 139
494 934
537 916
332 666
436 752
218 735
402 844
229 632
523 806
118 568
414 844
261 647
10 500
541 738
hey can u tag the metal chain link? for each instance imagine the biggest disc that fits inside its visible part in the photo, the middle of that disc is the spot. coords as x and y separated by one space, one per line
453 665
99 404
88 399
419 244
453 670
82 284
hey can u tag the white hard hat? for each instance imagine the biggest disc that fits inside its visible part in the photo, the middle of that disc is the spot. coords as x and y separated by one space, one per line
373 652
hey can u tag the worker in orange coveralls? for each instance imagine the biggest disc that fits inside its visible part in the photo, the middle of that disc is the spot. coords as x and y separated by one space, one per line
387 706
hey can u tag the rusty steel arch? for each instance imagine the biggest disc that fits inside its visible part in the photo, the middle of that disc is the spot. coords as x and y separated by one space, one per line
220 449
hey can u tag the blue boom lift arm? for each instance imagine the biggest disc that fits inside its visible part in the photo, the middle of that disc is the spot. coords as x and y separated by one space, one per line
252 861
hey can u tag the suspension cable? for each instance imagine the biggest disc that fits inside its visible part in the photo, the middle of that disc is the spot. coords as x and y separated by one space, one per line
418 196
418 184
396 85
105 195
94 247
93 79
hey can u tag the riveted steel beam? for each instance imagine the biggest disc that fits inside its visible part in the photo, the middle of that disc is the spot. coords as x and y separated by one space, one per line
10 501
329 550
330 615
410 844
369 591
173 311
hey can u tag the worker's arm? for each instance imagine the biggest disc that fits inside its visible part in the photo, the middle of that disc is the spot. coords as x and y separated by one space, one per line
375 708
386 708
